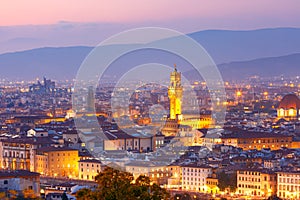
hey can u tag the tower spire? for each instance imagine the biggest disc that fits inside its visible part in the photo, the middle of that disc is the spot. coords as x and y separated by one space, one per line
175 94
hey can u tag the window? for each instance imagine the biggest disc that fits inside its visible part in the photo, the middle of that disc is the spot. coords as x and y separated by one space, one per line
5 182
291 112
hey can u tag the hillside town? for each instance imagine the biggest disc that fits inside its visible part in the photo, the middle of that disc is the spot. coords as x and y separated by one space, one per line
255 154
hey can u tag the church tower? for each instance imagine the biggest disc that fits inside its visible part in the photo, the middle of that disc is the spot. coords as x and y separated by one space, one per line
90 99
175 95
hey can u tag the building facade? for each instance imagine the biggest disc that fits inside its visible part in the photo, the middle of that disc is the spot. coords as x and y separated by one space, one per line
288 185
20 180
175 95
19 153
57 162
256 182
119 140
157 173
194 177
257 140
289 108
89 169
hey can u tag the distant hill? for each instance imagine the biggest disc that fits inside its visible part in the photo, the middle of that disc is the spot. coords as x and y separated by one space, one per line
59 63
227 46
288 65
265 52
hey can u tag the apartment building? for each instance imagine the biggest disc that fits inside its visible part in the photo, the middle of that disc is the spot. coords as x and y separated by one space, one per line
288 185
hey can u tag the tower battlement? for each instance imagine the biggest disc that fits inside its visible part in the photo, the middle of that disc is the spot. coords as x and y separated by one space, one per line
175 94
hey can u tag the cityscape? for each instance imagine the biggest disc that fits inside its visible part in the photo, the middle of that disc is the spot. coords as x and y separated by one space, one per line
149 113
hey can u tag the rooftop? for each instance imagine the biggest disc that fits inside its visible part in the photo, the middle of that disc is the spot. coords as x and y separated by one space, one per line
51 149
248 134
196 165
91 161
290 101
17 173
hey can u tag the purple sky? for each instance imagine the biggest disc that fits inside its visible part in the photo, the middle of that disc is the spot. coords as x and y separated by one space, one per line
230 12
35 23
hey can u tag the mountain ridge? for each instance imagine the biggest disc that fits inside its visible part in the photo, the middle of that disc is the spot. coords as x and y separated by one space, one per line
237 53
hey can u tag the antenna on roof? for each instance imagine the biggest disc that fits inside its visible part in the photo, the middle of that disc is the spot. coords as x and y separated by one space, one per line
175 67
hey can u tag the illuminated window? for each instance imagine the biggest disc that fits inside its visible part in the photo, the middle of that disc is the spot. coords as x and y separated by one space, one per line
291 112
281 112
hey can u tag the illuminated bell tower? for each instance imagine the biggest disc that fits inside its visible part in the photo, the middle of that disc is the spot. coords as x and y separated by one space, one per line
175 95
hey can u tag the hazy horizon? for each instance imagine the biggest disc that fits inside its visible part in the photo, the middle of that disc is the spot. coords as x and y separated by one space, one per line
32 24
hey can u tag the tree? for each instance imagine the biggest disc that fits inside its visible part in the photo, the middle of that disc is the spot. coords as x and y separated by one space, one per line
184 196
114 184
13 194
158 193
142 180
64 196
141 188
274 197
28 194
3 195
85 194
227 181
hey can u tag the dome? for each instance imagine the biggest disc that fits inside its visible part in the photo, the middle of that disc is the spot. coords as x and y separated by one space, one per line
290 101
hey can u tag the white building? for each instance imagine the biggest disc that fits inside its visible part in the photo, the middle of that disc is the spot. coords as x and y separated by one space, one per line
158 173
118 140
194 177
288 185
256 182
37 132
89 169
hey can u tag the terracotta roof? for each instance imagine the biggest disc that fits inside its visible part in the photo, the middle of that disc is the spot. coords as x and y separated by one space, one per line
196 165
91 161
17 173
254 135
51 148
114 135
29 140
290 101
72 132
264 171
288 172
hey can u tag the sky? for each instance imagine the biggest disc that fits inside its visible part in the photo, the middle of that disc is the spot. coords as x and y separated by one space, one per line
26 24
